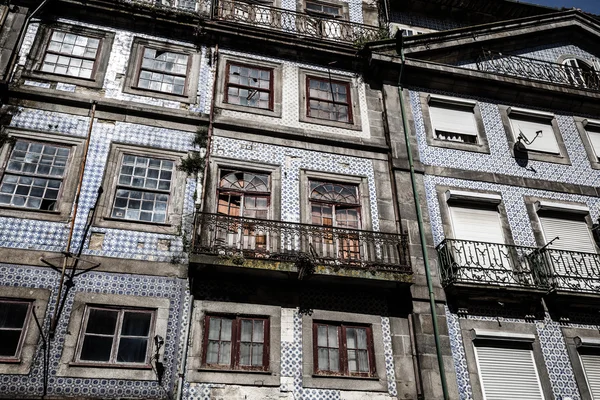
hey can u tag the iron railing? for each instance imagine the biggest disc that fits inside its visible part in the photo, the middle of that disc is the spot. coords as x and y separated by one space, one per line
297 23
525 67
191 6
570 271
248 238
469 262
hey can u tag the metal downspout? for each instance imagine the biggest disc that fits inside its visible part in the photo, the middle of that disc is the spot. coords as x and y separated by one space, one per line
417 201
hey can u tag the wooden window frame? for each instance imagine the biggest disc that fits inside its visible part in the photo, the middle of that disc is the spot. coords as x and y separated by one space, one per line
116 337
271 90
235 343
96 59
242 193
138 70
17 356
343 350
348 102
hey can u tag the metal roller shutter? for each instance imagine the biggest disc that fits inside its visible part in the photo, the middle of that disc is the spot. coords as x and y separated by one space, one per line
574 235
447 118
508 373
591 366
481 225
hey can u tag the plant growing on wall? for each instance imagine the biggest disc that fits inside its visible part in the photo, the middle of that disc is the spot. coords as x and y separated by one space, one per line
6 115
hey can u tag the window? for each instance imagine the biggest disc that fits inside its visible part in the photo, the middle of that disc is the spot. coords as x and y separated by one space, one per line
34 175
70 54
236 342
116 336
453 120
581 73
143 189
243 194
508 370
249 86
14 316
325 23
163 71
590 362
325 10
593 133
535 131
335 205
343 349
328 100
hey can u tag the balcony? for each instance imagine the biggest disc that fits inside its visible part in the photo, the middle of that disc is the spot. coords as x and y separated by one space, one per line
570 271
529 68
468 263
296 23
303 248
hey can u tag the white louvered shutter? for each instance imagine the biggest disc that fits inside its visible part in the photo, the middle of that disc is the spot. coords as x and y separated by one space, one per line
574 234
508 374
454 120
545 142
480 225
594 136
591 367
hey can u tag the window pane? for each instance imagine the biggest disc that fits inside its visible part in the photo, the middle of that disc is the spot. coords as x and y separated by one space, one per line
323 361
259 332
363 361
9 342
214 328
102 321
136 324
226 326
322 336
333 336
352 362
212 352
12 315
361 338
351 338
245 353
159 71
225 355
257 354
246 334
132 350
96 348
334 360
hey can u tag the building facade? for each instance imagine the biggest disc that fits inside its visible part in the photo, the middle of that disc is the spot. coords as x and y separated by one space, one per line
288 200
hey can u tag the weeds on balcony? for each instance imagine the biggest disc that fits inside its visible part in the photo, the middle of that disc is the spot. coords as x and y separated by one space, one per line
382 34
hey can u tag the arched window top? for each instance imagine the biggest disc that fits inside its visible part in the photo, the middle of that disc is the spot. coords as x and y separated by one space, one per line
244 181
334 192
575 62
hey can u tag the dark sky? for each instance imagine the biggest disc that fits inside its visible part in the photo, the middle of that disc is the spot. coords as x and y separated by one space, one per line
592 6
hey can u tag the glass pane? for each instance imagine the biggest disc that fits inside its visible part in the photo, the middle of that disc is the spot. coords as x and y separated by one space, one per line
96 348
9 341
334 360
102 321
352 367
257 355
225 356
361 337
226 325
136 324
351 338
246 334
259 332
323 361
363 361
132 350
245 349
212 352
12 315
333 336
322 336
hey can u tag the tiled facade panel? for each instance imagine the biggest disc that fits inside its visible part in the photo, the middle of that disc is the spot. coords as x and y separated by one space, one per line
552 341
291 161
500 159
291 100
26 386
51 236
291 372
114 79
420 20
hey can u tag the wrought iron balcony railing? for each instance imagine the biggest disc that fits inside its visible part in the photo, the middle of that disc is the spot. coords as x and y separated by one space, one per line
249 238
297 23
524 67
468 262
191 6
570 271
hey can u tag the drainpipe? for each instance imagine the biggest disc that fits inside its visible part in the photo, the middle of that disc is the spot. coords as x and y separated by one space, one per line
413 179
73 218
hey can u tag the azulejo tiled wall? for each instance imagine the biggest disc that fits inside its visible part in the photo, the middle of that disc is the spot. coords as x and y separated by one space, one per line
26 386
291 161
291 370
290 114
119 59
500 159
51 236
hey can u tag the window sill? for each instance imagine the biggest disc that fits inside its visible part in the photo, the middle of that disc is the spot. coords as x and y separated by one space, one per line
234 371
157 94
135 221
133 225
100 365
275 112
353 126
30 213
94 83
10 360
364 378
